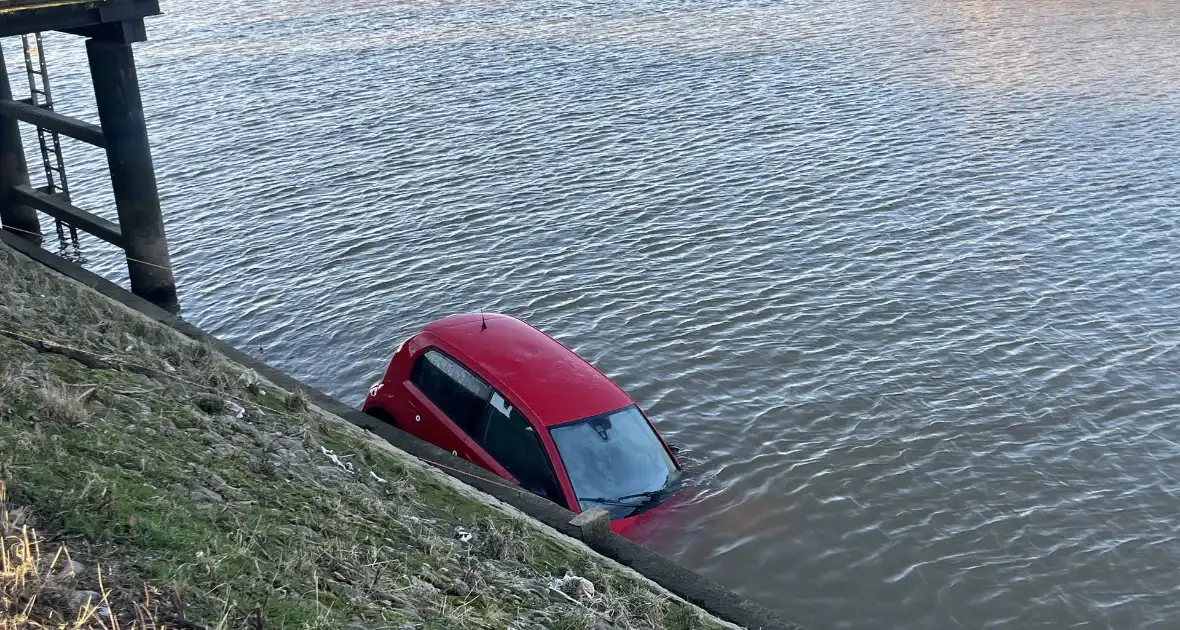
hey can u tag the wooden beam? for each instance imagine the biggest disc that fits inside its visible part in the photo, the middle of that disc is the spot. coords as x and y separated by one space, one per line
129 156
14 216
53 121
67 15
58 208
122 32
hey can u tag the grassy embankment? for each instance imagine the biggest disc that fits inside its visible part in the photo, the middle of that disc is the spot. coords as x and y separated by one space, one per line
188 493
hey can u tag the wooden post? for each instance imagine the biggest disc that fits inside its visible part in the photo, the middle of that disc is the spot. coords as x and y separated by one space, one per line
593 524
120 110
16 217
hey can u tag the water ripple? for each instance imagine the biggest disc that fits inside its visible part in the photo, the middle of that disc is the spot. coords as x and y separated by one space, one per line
899 276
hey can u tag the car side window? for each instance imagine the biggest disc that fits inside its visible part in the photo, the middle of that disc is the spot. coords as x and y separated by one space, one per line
509 438
457 392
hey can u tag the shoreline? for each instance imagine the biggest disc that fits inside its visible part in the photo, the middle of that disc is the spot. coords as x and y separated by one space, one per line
186 446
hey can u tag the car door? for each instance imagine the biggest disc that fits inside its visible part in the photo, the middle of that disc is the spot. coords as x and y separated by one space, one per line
506 436
445 402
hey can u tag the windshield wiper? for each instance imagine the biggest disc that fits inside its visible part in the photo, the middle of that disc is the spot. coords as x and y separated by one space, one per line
618 501
621 500
648 496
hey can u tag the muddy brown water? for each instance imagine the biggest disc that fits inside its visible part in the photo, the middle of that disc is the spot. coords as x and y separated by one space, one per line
900 275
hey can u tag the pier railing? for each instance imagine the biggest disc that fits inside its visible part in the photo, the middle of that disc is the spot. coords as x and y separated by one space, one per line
110 28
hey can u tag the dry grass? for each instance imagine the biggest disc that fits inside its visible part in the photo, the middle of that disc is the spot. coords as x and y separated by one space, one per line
59 404
8 381
241 506
37 591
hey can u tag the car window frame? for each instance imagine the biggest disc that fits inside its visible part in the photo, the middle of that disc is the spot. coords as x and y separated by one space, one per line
481 428
491 390
538 438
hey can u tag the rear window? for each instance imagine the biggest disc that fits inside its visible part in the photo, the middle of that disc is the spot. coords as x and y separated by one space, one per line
460 394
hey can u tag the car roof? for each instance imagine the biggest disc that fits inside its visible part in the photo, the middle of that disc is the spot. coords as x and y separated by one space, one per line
551 382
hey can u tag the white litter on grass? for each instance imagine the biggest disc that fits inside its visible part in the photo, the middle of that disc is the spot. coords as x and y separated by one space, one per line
463 535
336 460
249 378
238 410
575 587
374 475
90 603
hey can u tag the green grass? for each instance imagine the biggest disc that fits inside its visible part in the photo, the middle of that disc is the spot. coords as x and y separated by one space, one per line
146 469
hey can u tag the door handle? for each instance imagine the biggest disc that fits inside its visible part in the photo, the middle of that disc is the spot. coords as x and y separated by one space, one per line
411 389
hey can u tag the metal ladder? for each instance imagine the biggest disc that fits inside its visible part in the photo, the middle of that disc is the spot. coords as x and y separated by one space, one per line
41 96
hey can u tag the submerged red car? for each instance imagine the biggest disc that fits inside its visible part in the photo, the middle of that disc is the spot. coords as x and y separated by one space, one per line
501 394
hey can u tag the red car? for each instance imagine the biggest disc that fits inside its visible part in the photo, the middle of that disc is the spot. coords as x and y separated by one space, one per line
501 394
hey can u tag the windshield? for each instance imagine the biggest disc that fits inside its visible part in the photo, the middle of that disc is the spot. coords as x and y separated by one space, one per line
614 461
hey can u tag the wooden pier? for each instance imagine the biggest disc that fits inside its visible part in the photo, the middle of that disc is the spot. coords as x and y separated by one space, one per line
110 28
